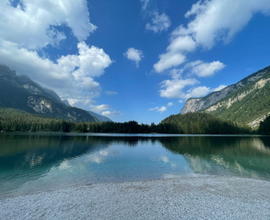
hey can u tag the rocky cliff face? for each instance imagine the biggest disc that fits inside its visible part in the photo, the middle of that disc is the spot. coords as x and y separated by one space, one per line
20 92
249 105
198 104
40 105
227 103
35 88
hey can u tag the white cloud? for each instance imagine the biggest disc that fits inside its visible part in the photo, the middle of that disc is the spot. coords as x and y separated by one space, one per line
99 108
71 76
198 92
176 73
160 22
153 109
161 109
35 26
219 88
174 88
145 4
175 54
81 102
220 20
169 60
31 26
202 69
211 21
182 43
170 104
91 61
134 55
112 114
111 92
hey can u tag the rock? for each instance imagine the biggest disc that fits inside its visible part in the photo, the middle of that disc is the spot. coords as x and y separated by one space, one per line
195 105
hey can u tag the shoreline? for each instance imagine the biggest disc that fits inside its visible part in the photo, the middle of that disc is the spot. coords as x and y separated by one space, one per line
129 134
209 197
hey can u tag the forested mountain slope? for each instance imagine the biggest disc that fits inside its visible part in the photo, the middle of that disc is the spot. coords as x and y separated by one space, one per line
201 123
248 105
24 94
198 104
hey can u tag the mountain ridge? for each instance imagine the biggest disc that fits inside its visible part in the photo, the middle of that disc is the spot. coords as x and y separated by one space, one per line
197 104
20 92
245 102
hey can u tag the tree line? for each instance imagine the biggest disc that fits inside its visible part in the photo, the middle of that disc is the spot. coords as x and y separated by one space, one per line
265 127
190 123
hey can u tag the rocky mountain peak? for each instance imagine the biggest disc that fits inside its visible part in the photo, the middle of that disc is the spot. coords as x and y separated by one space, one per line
8 75
194 105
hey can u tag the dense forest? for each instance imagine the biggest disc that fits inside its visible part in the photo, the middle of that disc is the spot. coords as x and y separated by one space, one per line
203 123
191 123
265 127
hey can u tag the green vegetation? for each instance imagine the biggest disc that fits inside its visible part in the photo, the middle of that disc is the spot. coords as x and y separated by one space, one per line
255 104
17 120
202 123
265 127
191 123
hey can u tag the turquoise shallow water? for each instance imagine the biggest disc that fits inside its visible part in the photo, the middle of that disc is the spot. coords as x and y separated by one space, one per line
39 162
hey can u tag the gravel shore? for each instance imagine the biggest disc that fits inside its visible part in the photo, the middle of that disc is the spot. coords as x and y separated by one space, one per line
209 197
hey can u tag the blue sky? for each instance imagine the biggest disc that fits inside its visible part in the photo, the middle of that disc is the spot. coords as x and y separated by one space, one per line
134 60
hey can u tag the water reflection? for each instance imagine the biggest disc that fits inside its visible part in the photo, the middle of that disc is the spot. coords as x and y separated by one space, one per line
37 162
28 151
240 156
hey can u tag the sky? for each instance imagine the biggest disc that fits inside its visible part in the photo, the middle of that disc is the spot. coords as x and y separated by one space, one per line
138 59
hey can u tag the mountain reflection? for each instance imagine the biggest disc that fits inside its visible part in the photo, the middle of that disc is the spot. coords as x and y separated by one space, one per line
28 151
241 156
244 156
34 162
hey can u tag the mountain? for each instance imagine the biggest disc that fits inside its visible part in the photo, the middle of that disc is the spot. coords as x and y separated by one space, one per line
66 103
101 118
20 92
246 102
35 88
197 104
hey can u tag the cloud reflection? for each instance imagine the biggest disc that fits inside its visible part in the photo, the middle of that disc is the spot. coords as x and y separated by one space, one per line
95 159
162 158
165 159
65 165
102 156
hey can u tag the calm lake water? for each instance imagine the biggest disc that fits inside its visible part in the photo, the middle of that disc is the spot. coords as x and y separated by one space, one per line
40 162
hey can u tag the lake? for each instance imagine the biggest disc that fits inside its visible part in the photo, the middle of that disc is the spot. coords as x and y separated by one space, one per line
36 162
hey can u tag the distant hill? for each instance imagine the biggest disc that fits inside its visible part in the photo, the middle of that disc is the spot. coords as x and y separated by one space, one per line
20 92
247 101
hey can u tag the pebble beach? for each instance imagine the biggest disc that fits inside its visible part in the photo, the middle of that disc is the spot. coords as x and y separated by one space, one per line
209 197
